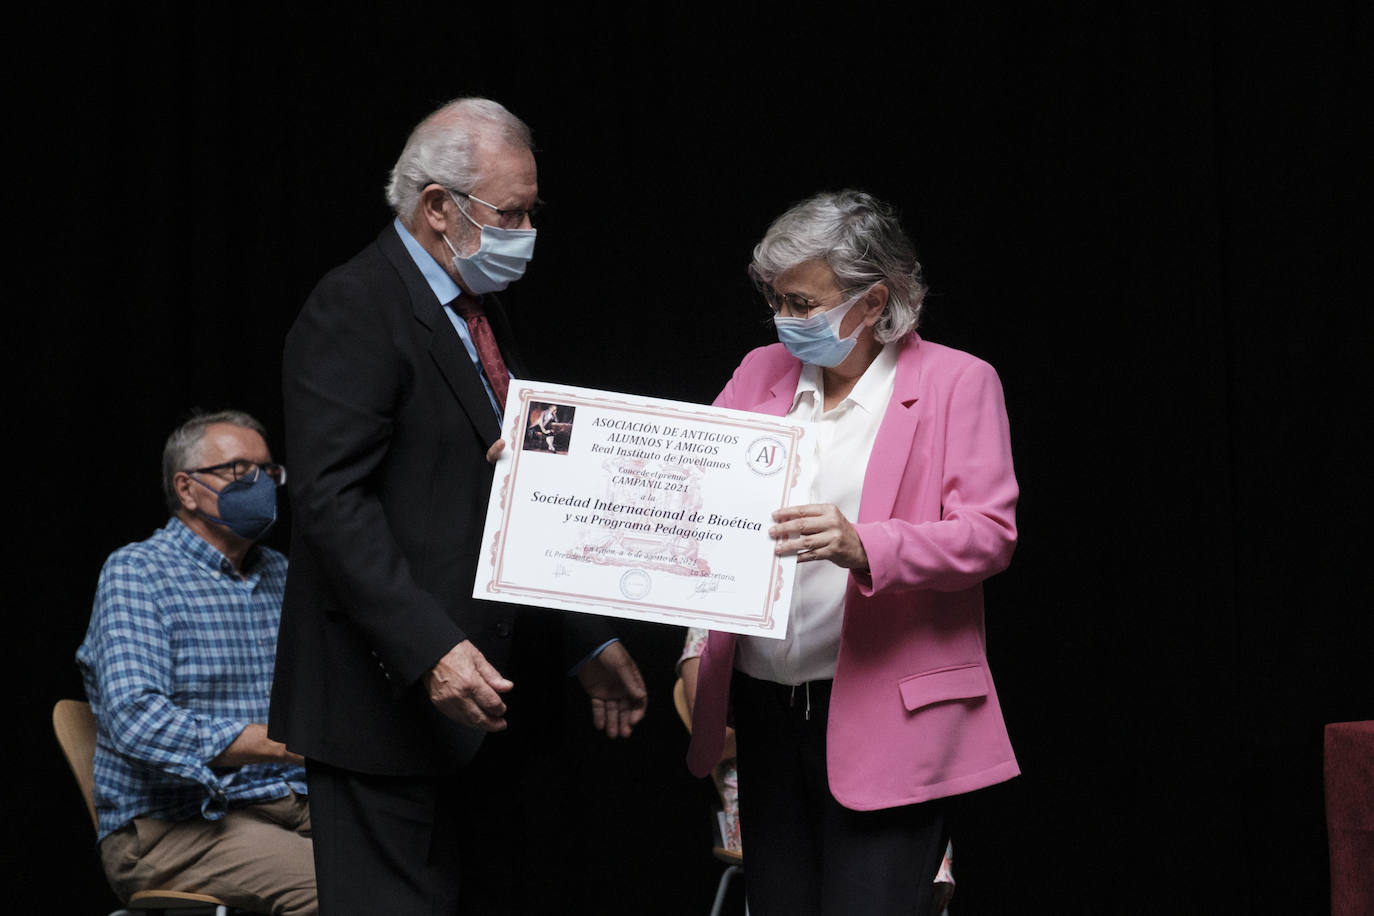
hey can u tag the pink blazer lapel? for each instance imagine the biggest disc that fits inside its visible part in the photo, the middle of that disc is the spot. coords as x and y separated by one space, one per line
781 395
896 435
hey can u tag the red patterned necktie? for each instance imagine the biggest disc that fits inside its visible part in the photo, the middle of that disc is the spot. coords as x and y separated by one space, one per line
487 350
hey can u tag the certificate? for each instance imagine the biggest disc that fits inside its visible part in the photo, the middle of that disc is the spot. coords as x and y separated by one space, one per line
642 508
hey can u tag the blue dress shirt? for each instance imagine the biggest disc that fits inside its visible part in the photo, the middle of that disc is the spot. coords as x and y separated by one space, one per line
446 290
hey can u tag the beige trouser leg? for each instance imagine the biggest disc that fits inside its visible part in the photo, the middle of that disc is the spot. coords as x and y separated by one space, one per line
257 858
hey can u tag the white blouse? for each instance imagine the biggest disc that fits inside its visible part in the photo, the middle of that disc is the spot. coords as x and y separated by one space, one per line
843 441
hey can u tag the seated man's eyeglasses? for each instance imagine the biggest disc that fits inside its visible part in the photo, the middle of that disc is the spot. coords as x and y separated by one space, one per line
234 470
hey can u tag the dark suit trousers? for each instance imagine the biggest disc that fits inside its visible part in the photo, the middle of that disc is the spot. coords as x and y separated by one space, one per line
804 852
421 845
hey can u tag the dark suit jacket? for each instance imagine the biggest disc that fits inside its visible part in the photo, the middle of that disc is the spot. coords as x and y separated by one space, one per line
387 426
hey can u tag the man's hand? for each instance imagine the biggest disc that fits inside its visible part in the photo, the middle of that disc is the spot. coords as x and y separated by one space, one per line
253 746
467 689
613 682
818 532
495 451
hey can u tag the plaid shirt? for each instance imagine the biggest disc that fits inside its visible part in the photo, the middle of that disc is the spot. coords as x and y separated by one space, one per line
178 658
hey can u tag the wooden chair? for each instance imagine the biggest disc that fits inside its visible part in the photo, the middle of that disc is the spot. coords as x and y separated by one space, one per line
74 725
734 861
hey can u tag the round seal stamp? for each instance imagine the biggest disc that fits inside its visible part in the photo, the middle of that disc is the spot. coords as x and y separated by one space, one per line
634 584
766 456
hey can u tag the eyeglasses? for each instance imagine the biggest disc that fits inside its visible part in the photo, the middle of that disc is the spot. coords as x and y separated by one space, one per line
794 303
243 468
798 305
506 219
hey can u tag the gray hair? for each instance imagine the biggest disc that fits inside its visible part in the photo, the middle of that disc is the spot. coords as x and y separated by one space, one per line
182 451
442 149
859 238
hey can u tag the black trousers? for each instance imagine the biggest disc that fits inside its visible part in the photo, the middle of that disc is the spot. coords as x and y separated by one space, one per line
804 852
412 845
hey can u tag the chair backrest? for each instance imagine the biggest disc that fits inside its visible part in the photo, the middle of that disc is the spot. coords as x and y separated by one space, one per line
74 724
728 856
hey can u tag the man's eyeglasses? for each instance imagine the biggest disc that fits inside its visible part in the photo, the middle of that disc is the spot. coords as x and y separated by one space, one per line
506 219
236 470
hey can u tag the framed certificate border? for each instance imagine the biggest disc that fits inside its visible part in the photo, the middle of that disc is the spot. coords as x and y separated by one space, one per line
766 468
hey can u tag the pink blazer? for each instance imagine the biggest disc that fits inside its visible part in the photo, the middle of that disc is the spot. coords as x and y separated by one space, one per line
913 711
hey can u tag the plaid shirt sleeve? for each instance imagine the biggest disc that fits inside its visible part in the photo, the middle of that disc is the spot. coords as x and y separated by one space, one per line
177 660
131 662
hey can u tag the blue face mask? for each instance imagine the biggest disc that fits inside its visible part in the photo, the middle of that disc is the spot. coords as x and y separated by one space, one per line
246 507
499 260
816 338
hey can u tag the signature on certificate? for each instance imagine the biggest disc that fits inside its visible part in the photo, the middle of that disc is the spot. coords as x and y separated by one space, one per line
706 586
559 571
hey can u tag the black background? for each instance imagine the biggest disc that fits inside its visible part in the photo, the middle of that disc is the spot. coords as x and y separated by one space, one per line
1149 217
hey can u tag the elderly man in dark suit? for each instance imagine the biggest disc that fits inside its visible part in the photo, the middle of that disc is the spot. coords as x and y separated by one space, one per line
388 671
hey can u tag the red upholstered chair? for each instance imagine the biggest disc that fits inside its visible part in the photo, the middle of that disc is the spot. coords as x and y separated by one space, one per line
1349 765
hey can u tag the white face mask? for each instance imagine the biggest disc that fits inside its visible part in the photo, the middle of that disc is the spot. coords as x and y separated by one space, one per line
499 260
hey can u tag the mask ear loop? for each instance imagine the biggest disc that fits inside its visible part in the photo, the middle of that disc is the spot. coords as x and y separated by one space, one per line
203 484
201 512
835 317
466 215
450 245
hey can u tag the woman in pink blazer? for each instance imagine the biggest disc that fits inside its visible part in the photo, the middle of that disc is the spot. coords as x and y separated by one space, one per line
878 704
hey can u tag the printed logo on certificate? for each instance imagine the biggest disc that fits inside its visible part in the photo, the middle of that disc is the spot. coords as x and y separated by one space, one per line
642 508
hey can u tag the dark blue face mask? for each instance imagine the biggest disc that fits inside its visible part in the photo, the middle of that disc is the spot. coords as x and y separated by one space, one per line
246 507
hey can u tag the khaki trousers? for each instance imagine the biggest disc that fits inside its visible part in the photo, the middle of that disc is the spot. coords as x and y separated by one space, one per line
257 858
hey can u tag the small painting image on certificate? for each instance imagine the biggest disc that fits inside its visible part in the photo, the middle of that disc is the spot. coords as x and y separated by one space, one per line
654 510
548 427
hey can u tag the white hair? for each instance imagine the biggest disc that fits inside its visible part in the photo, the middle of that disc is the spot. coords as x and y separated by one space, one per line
859 238
442 149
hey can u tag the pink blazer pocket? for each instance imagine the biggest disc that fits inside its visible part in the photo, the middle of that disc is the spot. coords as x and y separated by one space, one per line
966 682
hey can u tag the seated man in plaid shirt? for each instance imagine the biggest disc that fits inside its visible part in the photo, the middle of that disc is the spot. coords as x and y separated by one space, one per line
190 792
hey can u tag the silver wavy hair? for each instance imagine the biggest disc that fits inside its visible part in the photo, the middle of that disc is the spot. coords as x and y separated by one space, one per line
182 451
859 238
442 149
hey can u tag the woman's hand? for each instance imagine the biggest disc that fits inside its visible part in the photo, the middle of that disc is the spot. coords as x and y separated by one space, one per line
818 532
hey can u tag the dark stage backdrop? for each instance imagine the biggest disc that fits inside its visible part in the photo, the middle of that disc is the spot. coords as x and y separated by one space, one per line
1149 217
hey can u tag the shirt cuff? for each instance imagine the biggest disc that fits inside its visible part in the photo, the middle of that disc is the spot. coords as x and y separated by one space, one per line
577 669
